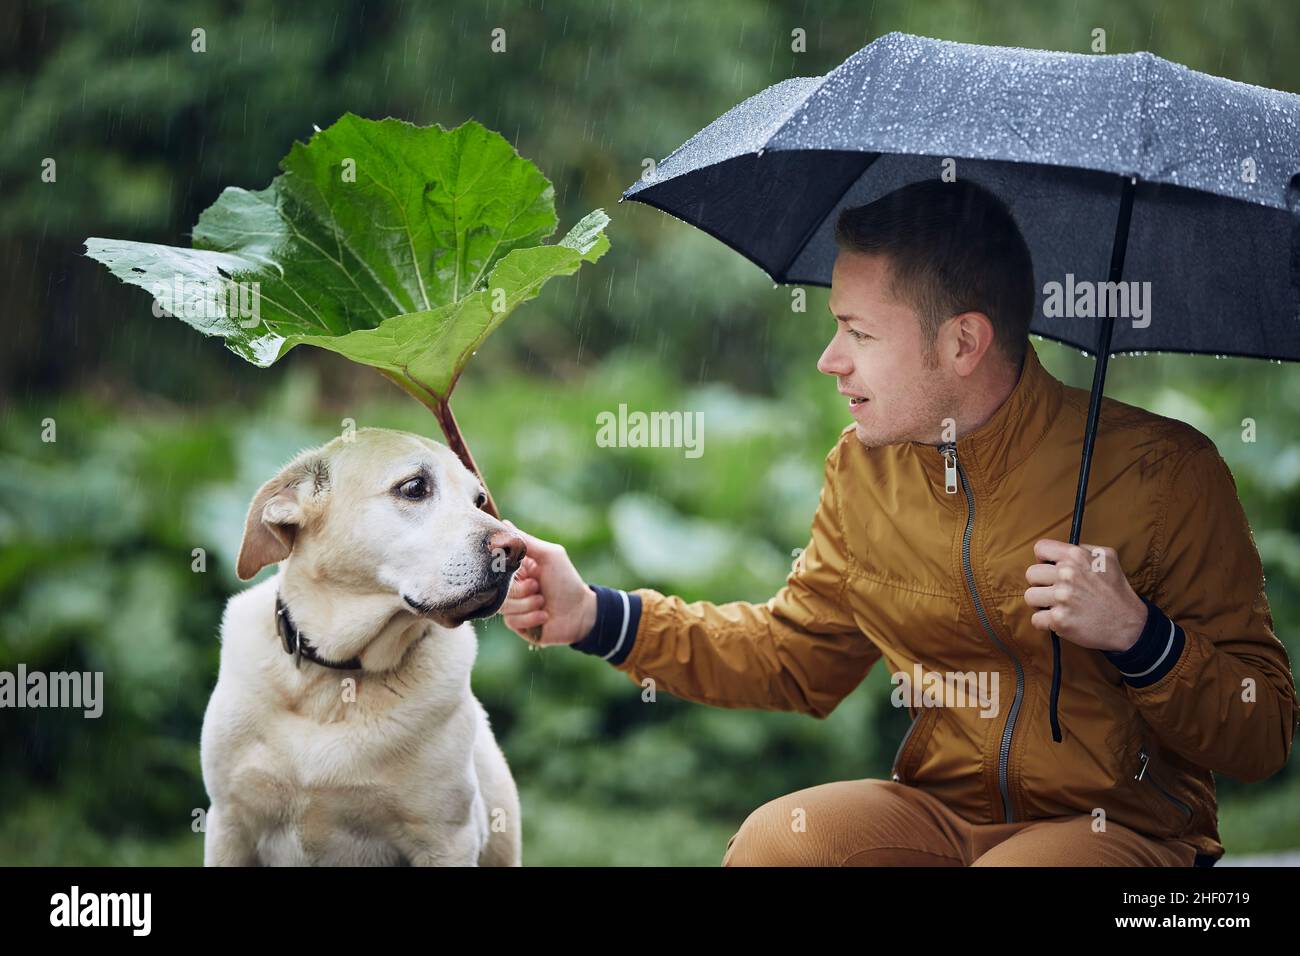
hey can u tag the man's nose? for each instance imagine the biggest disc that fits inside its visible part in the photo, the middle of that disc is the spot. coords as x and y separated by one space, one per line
507 550
831 363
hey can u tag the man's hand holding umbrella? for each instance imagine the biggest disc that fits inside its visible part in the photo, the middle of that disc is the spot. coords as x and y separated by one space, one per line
1084 596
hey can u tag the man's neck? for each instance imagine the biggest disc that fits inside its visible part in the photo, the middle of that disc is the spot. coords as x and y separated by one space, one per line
995 395
986 396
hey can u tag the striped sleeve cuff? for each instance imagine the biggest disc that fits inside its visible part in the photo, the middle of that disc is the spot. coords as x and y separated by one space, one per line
1157 650
617 616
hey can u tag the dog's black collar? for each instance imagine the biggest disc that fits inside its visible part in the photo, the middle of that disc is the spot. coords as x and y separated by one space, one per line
296 645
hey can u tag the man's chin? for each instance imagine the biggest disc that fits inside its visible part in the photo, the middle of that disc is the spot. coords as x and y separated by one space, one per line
868 438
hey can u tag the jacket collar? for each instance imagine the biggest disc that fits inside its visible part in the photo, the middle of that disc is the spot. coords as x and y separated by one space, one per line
1011 433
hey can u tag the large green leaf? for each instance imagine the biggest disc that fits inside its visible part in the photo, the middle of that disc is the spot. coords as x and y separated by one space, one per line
397 246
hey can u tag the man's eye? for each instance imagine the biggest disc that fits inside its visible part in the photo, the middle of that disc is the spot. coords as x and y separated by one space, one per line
859 336
413 489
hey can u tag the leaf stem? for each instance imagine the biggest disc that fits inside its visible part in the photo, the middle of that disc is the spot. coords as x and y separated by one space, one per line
441 409
457 444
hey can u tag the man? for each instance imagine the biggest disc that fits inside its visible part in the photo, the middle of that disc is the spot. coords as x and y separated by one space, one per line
952 490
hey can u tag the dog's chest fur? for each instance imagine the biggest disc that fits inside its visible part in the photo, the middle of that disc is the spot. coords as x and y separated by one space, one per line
325 767
361 793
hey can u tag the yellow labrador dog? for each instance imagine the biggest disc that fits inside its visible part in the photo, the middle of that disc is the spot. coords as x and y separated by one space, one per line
342 729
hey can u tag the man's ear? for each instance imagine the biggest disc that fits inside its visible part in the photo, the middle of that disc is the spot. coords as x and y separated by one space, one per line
276 515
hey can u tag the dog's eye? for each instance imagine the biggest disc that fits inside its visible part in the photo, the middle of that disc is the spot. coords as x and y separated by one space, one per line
413 488
481 500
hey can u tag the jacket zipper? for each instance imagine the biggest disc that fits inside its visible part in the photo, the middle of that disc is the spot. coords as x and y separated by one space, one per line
953 467
1146 758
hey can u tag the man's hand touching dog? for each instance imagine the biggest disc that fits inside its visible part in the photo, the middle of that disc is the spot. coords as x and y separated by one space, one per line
548 592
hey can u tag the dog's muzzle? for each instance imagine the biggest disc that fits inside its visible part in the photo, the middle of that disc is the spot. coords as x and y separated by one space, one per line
482 603
506 552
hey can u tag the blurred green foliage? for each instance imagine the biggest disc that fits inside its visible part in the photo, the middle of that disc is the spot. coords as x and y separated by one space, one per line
163 436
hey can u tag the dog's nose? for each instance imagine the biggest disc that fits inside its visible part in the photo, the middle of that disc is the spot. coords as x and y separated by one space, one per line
508 550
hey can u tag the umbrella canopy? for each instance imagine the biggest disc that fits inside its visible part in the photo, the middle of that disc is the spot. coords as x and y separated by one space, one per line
1056 136
1112 166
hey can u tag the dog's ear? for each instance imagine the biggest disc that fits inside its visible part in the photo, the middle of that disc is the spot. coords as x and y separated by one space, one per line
276 515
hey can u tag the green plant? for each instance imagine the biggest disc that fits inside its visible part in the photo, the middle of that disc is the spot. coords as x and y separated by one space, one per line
397 246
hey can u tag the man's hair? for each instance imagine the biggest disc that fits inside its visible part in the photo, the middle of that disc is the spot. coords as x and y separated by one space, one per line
952 247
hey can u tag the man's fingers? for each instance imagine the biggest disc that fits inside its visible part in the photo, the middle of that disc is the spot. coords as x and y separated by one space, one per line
1041 574
1040 597
1042 620
522 587
1048 549
522 622
524 605
527 577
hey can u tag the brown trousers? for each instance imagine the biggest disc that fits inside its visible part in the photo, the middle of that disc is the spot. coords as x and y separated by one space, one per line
883 823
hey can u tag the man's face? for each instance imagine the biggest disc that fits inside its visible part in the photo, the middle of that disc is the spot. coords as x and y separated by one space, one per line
878 353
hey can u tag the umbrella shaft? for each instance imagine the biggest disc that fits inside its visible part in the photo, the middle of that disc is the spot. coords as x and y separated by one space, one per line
1117 250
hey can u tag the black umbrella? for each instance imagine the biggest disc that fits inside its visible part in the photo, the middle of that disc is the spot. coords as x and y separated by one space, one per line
1190 181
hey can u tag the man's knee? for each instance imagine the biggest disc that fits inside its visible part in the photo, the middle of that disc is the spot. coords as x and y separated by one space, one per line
773 835
1078 842
817 826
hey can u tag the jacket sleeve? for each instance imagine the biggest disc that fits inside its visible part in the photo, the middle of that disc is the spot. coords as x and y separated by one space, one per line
800 651
1207 672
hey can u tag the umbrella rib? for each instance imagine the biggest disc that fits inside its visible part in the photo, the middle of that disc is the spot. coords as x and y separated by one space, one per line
1143 158
819 219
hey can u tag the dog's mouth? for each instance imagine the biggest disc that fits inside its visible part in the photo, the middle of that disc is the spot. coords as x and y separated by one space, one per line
480 604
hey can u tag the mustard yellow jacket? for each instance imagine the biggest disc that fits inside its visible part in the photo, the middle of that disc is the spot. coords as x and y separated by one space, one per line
926 572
